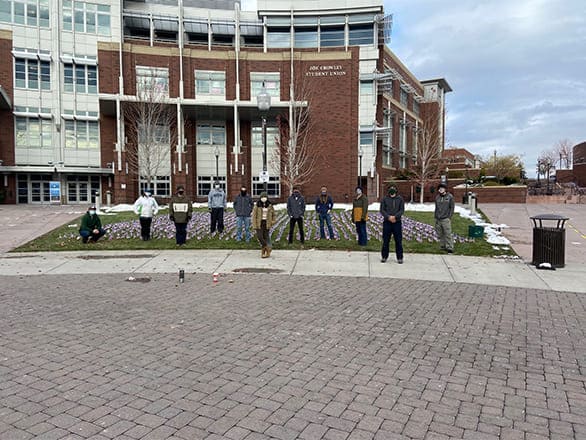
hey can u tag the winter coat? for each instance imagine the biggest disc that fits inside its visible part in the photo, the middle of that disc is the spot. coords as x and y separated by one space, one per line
392 206
323 204
444 206
296 205
243 205
216 198
90 222
360 209
180 209
257 216
146 206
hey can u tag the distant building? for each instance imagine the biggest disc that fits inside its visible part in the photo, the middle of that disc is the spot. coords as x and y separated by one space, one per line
460 162
71 67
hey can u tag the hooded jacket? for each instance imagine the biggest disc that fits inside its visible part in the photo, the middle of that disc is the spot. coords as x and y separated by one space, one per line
146 206
392 206
217 198
180 209
296 205
90 222
243 205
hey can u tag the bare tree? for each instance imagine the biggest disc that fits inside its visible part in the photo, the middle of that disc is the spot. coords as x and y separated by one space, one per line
429 151
298 152
563 150
151 129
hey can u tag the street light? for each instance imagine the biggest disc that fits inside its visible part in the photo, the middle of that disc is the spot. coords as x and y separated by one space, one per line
217 154
360 154
263 102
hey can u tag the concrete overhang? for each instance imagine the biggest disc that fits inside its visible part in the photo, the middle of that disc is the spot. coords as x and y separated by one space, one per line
5 103
55 169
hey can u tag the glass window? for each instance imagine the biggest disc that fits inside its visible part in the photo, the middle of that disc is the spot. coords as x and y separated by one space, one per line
332 36
68 77
33 132
361 35
92 79
31 14
210 83
305 37
45 75
152 80
79 16
20 72
160 185
18 13
6 11
33 74
272 83
210 134
416 108
67 15
404 97
104 22
273 186
82 134
44 13
366 88
278 37
366 138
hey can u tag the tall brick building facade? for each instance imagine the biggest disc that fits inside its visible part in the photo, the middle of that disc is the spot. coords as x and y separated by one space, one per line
73 126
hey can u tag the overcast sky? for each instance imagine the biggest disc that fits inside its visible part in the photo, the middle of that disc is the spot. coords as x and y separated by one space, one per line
517 69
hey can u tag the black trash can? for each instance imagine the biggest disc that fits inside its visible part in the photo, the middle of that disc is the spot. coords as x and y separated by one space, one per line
549 242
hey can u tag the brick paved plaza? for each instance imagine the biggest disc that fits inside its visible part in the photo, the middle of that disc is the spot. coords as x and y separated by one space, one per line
285 357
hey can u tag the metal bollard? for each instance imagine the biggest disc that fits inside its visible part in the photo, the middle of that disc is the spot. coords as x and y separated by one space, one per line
181 275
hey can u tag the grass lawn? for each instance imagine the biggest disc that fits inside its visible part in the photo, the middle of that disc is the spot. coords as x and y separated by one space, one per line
123 233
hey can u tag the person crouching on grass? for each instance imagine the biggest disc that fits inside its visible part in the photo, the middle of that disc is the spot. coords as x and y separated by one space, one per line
91 226
263 219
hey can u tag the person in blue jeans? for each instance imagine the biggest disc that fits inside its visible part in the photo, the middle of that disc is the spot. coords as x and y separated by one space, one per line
392 209
243 205
91 226
323 206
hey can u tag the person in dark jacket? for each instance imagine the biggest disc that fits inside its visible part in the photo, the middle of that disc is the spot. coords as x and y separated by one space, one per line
180 210
91 226
392 208
444 209
296 211
243 205
263 219
360 215
323 207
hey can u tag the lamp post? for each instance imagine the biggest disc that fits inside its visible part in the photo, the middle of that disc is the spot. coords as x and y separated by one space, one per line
217 154
263 102
360 154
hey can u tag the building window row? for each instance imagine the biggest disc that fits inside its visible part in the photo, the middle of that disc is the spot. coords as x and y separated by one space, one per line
152 81
82 134
212 83
27 12
33 132
91 18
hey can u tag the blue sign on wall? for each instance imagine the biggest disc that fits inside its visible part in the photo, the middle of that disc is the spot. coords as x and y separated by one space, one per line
55 191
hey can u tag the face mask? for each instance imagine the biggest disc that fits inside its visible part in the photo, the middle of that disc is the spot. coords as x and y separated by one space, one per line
263 199
358 191
243 192
92 212
393 192
323 193
147 195
442 190
180 193
217 186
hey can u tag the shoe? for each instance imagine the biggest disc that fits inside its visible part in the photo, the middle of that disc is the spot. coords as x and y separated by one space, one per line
269 250
263 253
383 260
400 261
450 251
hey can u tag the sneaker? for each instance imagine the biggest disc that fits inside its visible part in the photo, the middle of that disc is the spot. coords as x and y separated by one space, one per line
450 251
383 260
400 261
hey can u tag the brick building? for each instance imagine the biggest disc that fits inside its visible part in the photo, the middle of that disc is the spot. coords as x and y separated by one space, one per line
71 94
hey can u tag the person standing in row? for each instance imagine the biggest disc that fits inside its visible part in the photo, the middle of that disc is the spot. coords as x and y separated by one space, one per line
180 211
146 207
360 215
323 206
243 205
392 208
263 219
296 211
216 204
91 226
444 209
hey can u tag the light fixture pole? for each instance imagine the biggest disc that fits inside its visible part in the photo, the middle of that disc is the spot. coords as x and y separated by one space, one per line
217 154
263 102
360 154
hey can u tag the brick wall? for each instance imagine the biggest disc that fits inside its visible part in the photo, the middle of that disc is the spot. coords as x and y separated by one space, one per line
495 194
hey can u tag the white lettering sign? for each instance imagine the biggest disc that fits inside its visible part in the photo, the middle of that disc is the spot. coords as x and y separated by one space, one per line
325 70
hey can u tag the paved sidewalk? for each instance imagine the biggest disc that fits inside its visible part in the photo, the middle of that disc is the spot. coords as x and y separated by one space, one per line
451 268
288 357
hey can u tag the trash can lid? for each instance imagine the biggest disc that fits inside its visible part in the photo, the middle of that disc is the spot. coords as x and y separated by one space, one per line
549 217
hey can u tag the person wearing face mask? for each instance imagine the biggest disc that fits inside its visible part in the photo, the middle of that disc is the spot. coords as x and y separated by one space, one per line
243 209
216 205
444 209
360 215
392 209
146 207
296 211
323 206
91 226
180 211
263 219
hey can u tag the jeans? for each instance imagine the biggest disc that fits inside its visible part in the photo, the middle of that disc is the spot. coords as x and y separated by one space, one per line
217 220
263 234
180 233
145 227
242 222
85 235
443 228
361 231
292 222
328 220
396 230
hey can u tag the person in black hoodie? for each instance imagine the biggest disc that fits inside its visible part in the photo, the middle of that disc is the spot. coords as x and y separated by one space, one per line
392 208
